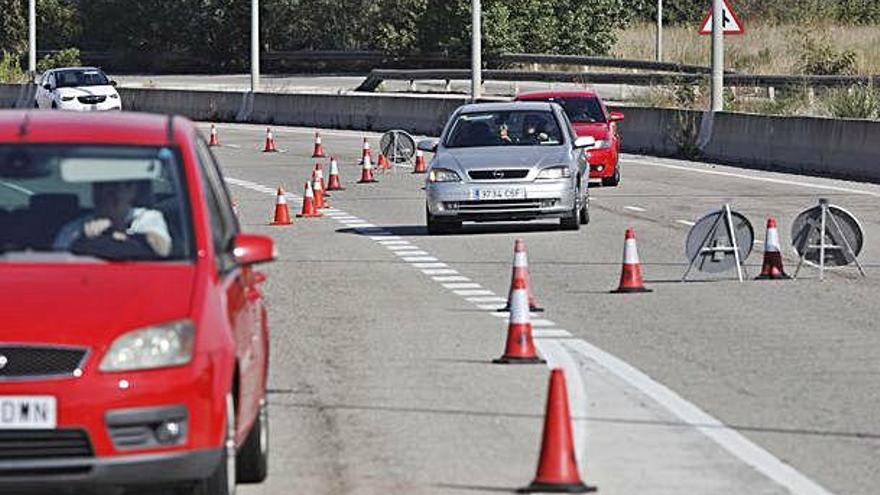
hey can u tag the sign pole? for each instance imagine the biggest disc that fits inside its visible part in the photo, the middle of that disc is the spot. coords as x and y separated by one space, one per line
476 51
659 30
717 55
32 38
255 46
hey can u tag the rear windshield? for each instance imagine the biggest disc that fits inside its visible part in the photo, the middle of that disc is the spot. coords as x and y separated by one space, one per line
582 110
116 203
80 77
511 128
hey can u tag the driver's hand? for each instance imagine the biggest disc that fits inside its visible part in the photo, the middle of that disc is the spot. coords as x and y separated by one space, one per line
158 244
95 228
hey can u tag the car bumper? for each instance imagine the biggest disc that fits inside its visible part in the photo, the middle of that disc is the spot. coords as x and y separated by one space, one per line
550 199
105 106
152 469
602 162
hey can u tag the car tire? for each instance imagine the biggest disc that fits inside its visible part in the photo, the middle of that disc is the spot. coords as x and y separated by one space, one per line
585 214
253 457
614 180
222 480
54 105
571 222
439 227
36 105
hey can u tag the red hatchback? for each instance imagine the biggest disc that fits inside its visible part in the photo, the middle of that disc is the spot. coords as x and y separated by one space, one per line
589 117
134 343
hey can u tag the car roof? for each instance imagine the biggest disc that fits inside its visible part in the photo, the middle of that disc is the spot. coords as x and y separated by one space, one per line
506 106
53 126
74 68
544 95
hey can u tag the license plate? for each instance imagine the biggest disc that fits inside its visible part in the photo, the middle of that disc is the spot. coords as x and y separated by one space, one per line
28 412
93 108
505 193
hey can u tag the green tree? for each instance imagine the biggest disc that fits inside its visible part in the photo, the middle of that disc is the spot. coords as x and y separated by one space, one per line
13 27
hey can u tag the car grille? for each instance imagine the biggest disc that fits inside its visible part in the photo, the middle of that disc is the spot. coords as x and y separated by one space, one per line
39 361
499 174
16 445
499 205
91 99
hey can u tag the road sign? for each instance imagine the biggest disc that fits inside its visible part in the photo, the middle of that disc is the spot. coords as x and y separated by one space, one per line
718 242
398 146
730 22
827 236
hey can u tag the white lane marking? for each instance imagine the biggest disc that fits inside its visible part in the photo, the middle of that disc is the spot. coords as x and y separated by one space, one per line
634 208
429 265
491 307
487 299
501 314
543 323
731 440
469 292
419 259
442 271
402 247
686 222
384 236
754 177
558 357
414 253
470 285
281 130
394 243
549 333
453 278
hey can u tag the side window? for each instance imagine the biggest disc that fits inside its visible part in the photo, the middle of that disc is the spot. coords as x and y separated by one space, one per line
52 80
224 225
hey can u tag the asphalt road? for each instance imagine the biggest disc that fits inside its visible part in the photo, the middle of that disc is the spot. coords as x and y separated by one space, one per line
382 339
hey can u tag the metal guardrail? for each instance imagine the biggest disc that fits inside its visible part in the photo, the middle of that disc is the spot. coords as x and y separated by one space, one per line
375 78
537 58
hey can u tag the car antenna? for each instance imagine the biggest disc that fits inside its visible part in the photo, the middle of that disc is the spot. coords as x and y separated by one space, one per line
23 128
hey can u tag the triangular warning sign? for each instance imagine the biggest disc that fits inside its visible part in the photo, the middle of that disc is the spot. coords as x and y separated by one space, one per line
731 22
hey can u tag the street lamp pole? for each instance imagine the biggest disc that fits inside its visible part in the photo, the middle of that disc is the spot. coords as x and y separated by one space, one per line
255 46
476 51
717 56
659 30
32 37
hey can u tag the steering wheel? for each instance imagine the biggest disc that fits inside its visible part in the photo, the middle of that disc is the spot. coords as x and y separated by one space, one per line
116 246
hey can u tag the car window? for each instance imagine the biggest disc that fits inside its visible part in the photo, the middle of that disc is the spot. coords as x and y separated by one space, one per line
582 110
81 77
224 224
504 128
118 203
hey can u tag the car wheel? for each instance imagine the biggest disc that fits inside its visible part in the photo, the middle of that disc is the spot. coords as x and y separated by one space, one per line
222 480
36 105
614 179
54 105
585 214
253 458
439 227
571 222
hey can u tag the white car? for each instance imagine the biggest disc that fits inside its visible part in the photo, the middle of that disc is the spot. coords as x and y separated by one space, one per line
77 88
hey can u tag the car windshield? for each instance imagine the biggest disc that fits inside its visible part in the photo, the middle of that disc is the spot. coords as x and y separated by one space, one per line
117 203
505 128
80 77
582 110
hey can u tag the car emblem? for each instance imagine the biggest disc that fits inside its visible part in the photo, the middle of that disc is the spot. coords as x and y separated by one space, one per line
3 361
498 174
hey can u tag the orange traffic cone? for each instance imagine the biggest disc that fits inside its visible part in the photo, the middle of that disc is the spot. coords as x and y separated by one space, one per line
520 348
308 208
319 172
365 152
421 167
631 274
772 268
521 271
319 148
557 466
367 171
383 163
270 142
318 191
334 184
215 139
282 214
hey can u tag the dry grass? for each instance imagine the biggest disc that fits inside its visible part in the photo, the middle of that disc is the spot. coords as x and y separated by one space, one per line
764 49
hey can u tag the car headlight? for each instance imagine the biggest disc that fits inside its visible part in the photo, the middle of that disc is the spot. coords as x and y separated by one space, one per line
443 175
156 346
67 98
555 173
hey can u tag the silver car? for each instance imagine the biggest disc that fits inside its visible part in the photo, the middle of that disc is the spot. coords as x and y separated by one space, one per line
507 161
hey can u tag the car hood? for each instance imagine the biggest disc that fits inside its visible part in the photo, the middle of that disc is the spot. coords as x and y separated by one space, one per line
90 304
87 91
598 130
488 158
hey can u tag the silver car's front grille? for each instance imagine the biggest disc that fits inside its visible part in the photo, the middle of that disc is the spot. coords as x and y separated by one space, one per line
499 205
498 174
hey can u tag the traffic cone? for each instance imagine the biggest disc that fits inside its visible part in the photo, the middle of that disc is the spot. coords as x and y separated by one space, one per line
318 192
282 214
365 152
270 142
308 208
319 172
334 184
631 274
520 348
319 148
215 139
383 163
367 171
521 271
557 466
772 268
421 167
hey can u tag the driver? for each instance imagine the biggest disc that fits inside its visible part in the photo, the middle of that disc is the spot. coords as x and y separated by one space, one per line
115 215
535 128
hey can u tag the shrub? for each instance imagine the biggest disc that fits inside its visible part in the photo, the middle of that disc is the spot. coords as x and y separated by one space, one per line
10 69
858 102
68 57
818 55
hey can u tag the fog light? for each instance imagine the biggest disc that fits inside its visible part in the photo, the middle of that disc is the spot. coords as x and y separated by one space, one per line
168 432
600 168
452 205
548 203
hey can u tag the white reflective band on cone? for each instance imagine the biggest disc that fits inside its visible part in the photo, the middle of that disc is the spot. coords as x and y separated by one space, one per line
520 260
368 164
334 168
318 140
519 307
317 185
771 245
282 200
630 253
309 193
319 173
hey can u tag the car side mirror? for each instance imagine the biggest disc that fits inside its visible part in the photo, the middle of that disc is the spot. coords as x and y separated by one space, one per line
585 142
249 249
616 116
429 145
112 83
47 87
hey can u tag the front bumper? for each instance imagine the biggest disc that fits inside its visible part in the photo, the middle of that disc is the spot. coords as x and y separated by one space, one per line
544 199
107 105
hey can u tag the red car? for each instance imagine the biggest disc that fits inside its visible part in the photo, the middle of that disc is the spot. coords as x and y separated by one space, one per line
134 343
589 117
